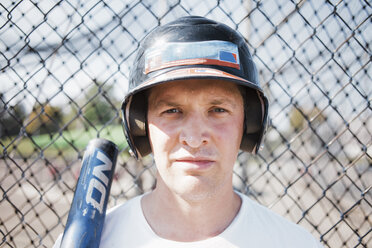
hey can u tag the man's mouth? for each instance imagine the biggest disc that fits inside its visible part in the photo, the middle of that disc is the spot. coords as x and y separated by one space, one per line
195 163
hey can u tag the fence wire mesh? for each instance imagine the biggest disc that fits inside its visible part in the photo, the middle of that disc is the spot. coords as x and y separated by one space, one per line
64 70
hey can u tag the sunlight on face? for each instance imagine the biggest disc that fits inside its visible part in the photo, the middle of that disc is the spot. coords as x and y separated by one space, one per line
195 129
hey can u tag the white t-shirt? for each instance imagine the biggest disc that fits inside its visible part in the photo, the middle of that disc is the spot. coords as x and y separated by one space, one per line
254 226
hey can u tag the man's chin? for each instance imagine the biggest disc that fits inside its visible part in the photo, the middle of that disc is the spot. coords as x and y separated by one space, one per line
194 188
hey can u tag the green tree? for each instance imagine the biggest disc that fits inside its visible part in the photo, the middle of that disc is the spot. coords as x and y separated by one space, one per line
99 109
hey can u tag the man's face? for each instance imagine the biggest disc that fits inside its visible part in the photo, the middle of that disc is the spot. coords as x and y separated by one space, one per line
195 129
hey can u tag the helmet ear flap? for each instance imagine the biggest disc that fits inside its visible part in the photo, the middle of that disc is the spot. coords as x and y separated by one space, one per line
253 118
137 120
249 142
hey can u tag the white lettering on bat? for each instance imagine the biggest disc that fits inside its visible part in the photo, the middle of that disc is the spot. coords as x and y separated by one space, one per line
99 182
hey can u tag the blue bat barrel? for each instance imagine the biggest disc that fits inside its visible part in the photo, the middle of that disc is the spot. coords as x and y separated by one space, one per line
88 208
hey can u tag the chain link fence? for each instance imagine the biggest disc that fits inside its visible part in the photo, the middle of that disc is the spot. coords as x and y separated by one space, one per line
64 70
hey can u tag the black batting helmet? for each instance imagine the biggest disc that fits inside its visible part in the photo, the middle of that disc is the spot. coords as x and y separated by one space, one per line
193 47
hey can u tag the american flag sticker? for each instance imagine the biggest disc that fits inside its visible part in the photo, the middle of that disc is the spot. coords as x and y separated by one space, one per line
228 56
222 53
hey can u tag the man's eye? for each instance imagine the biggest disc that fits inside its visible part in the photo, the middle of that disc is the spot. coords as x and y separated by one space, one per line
219 110
171 111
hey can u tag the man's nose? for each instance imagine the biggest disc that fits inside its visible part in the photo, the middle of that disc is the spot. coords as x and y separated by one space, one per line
194 131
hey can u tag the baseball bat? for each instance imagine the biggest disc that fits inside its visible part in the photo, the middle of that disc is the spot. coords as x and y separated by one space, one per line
88 209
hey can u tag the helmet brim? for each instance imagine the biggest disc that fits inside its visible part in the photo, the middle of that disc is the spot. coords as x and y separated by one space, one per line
193 73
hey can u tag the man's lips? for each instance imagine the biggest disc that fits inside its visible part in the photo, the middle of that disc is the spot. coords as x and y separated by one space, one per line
195 163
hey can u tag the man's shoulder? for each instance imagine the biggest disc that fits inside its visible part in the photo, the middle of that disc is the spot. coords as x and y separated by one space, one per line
266 223
267 216
123 223
123 209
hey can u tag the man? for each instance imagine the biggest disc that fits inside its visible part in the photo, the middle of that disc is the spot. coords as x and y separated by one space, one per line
194 101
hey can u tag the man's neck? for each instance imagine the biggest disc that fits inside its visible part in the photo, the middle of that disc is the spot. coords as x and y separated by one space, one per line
175 218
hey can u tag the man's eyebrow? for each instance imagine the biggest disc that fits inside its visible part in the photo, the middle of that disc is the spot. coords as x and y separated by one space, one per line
167 101
220 101
164 102
217 101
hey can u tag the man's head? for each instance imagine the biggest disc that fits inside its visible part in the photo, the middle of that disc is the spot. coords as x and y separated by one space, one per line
193 49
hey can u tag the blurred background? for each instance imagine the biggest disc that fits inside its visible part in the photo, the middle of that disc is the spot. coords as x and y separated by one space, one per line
64 69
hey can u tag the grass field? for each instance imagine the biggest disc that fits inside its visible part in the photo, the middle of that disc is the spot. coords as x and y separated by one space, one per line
65 142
